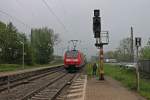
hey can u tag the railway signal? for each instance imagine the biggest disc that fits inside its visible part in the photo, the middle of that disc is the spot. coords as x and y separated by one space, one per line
102 38
137 44
96 24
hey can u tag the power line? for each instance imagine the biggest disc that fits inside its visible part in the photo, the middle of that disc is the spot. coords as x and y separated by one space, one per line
5 13
51 11
21 6
61 3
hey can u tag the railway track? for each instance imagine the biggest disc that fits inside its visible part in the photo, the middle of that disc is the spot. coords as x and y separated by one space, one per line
45 86
10 81
75 88
50 90
20 91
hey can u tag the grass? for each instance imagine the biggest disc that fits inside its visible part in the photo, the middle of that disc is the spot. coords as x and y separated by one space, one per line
89 70
126 76
9 67
15 67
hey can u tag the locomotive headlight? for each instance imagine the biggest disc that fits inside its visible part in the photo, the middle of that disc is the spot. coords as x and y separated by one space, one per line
68 59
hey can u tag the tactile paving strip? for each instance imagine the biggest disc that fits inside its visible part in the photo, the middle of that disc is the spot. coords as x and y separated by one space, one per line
77 89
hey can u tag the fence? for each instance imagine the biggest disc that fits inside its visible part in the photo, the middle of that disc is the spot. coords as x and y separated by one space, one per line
144 67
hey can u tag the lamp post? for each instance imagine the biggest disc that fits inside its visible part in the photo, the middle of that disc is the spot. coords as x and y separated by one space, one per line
99 36
22 54
0 49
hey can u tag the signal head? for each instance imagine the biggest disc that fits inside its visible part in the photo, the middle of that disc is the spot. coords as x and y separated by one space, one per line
96 13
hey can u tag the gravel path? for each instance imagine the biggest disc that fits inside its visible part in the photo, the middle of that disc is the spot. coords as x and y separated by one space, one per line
109 90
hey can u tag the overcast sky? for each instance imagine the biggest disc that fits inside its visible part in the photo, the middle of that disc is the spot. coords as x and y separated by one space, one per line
76 15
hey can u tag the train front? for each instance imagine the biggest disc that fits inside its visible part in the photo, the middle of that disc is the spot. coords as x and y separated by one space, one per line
72 60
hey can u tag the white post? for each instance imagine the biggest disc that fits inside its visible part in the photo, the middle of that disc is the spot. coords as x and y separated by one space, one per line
8 84
23 55
137 70
137 44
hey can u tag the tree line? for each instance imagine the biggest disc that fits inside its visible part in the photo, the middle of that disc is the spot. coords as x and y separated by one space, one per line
38 47
123 52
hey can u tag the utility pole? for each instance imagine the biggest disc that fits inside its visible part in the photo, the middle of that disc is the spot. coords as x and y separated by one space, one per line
132 51
99 36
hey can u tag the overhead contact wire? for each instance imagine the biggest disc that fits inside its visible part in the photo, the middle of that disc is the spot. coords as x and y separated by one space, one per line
52 12
5 13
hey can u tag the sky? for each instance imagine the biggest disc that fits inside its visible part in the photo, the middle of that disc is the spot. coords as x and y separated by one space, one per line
72 19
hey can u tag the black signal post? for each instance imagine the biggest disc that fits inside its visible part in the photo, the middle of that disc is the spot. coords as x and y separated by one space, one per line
96 24
99 36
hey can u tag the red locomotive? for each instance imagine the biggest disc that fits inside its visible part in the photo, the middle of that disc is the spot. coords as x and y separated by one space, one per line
73 60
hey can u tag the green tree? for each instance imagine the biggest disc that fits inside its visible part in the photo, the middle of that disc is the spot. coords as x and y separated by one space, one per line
145 52
148 42
10 44
28 52
42 41
109 54
2 30
123 52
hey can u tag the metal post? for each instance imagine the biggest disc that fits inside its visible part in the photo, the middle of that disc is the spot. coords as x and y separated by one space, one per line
23 55
101 70
137 71
132 51
8 84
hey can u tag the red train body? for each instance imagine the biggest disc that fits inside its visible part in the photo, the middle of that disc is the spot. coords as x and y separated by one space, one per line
73 60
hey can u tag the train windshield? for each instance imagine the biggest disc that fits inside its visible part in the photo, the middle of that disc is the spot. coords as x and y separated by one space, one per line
71 54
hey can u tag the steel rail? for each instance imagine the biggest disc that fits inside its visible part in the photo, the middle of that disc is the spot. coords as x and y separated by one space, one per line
20 81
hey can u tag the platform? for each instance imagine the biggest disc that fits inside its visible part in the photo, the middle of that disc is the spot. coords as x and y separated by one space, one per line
9 73
108 89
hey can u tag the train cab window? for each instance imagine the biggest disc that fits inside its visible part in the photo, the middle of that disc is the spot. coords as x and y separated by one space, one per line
72 54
